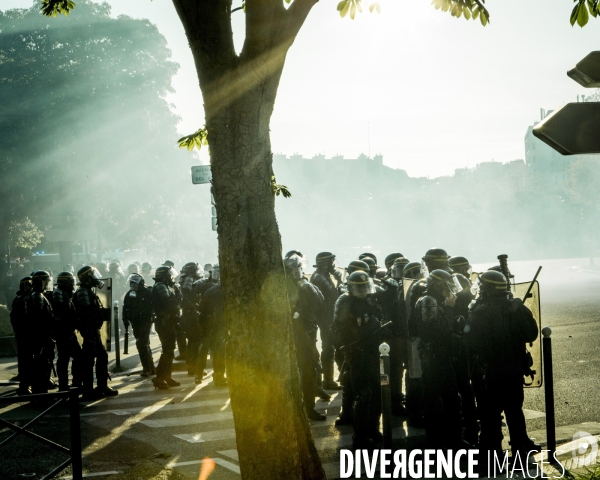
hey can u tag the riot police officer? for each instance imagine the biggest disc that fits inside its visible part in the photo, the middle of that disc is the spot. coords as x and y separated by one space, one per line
90 320
499 329
40 327
67 344
191 272
434 317
166 300
212 331
199 289
306 303
322 279
357 326
19 325
138 312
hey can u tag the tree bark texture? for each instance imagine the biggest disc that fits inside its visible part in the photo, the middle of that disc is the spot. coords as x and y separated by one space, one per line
272 433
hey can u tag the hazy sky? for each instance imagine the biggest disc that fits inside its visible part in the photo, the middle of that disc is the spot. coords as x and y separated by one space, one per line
435 92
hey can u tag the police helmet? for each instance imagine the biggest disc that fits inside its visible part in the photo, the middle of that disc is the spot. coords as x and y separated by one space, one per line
440 280
136 278
412 270
493 283
367 254
24 282
460 265
146 267
133 268
69 268
372 265
355 265
465 283
168 263
294 265
89 276
191 268
40 275
293 252
324 259
360 284
398 267
65 279
164 273
389 260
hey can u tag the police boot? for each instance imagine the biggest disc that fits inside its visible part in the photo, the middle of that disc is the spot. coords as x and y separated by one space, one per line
525 448
314 415
172 383
345 417
106 391
328 382
160 383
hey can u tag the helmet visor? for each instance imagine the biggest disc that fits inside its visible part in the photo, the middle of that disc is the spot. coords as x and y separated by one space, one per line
397 271
424 269
135 278
362 289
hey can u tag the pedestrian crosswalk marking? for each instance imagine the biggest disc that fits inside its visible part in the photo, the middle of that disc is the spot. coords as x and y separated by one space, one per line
190 420
169 406
225 434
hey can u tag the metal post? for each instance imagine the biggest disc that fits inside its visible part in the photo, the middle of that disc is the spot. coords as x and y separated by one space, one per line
76 461
386 394
549 392
117 342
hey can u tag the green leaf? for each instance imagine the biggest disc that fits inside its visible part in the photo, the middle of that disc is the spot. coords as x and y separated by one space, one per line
279 189
582 16
341 5
196 139
345 8
574 13
467 13
475 13
353 11
483 18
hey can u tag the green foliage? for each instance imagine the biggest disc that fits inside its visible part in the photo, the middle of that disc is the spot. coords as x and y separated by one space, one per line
196 139
88 93
279 189
582 11
469 9
25 234
55 7
353 6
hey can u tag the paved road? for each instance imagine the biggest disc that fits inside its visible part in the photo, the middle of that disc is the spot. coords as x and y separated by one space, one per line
159 434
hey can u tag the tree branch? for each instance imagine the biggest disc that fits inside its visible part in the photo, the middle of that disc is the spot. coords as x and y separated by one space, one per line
296 15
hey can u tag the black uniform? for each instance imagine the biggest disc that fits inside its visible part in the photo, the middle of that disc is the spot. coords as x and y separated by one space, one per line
39 325
189 321
306 302
90 320
24 346
323 281
213 329
200 348
67 344
166 301
442 407
499 329
138 312
358 320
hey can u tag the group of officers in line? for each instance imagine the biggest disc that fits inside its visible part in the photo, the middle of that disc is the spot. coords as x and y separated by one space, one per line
459 345
185 309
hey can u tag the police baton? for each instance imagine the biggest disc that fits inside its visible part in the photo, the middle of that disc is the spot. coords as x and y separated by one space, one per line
362 340
126 341
386 394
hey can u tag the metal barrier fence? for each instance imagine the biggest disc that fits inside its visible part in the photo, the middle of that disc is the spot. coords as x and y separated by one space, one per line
75 451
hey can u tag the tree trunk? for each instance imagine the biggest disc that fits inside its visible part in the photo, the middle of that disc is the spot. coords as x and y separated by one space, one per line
273 436
272 432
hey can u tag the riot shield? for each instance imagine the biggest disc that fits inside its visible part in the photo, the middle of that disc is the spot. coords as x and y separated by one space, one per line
344 273
534 380
406 283
105 296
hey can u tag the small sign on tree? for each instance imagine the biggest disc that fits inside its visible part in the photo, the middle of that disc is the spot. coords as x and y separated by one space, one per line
201 174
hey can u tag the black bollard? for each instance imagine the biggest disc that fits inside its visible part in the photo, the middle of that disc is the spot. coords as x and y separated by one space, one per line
386 394
549 392
117 343
75 427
